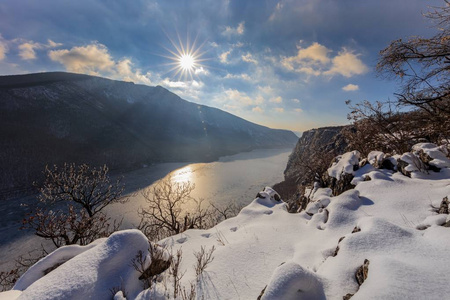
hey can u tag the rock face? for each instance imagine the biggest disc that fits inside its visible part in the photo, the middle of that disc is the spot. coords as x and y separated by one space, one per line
316 147
52 118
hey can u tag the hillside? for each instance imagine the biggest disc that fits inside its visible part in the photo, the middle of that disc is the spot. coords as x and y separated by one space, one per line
51 118
386 237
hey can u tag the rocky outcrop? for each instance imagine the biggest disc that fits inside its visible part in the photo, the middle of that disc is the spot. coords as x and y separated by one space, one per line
310 157
325 139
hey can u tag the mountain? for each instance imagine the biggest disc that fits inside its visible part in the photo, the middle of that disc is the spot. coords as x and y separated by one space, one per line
51 118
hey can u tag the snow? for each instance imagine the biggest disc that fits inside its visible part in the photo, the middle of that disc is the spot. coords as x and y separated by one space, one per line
345 164
292 256
438 154
93 273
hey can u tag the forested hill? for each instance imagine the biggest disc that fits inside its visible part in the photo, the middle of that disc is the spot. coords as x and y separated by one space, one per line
51 118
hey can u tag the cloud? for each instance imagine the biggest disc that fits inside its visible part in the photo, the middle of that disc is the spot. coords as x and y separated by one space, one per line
126 73
347 64
266 89
350 87
279 109
27 49
242 76
249 58
257 109
239 30
276 11
3 48
299 110
315 54
52 44
84 59
315 60
276 99
240 97
224 57
295 100
201 70
95 59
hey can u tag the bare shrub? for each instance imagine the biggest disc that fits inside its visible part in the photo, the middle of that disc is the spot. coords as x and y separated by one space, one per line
8 279
171 210
189 294
383 126
203 259
175 273
22 263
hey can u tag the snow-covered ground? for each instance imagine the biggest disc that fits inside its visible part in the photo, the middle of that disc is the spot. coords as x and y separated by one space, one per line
387 220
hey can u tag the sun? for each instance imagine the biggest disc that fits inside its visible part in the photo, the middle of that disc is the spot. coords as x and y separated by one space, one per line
186 57
187 62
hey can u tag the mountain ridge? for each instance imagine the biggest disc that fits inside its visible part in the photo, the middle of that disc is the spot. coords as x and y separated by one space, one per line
57 117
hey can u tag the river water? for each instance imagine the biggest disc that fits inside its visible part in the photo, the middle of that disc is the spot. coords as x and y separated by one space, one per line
237 178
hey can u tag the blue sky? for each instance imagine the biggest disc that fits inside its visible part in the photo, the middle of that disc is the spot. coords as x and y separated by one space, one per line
283 64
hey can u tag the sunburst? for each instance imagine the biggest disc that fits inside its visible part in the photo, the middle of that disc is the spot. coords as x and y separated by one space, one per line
186 58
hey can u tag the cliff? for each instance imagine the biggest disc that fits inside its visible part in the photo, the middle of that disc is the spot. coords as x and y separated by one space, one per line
312 153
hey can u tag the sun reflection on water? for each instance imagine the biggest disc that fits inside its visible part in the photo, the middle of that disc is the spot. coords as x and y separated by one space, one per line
183 175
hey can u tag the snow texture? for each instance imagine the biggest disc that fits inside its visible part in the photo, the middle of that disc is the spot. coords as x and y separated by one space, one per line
91 274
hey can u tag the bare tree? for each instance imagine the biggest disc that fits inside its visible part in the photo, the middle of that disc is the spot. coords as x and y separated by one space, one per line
167 212
72 199
422 65
89 187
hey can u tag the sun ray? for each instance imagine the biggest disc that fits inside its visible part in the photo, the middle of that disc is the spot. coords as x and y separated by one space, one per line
186 57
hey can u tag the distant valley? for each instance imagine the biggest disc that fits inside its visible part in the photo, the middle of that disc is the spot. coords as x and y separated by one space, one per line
52 118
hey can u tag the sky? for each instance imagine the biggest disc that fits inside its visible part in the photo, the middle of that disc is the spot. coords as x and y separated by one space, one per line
284 64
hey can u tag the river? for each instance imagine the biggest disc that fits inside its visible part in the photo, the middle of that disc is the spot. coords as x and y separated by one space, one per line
235 178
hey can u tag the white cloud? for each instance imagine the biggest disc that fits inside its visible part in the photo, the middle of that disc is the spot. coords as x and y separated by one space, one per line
276 99
173 84
224 57
315 60
313 55
257 109
238 96
126 73
279 109
249 58
242 76
95 59
268 90
52 44
27 49
347 64
201 70
84 59
237 45
239 30
276 11
3 48
295 100
299 110
351 87
238 101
